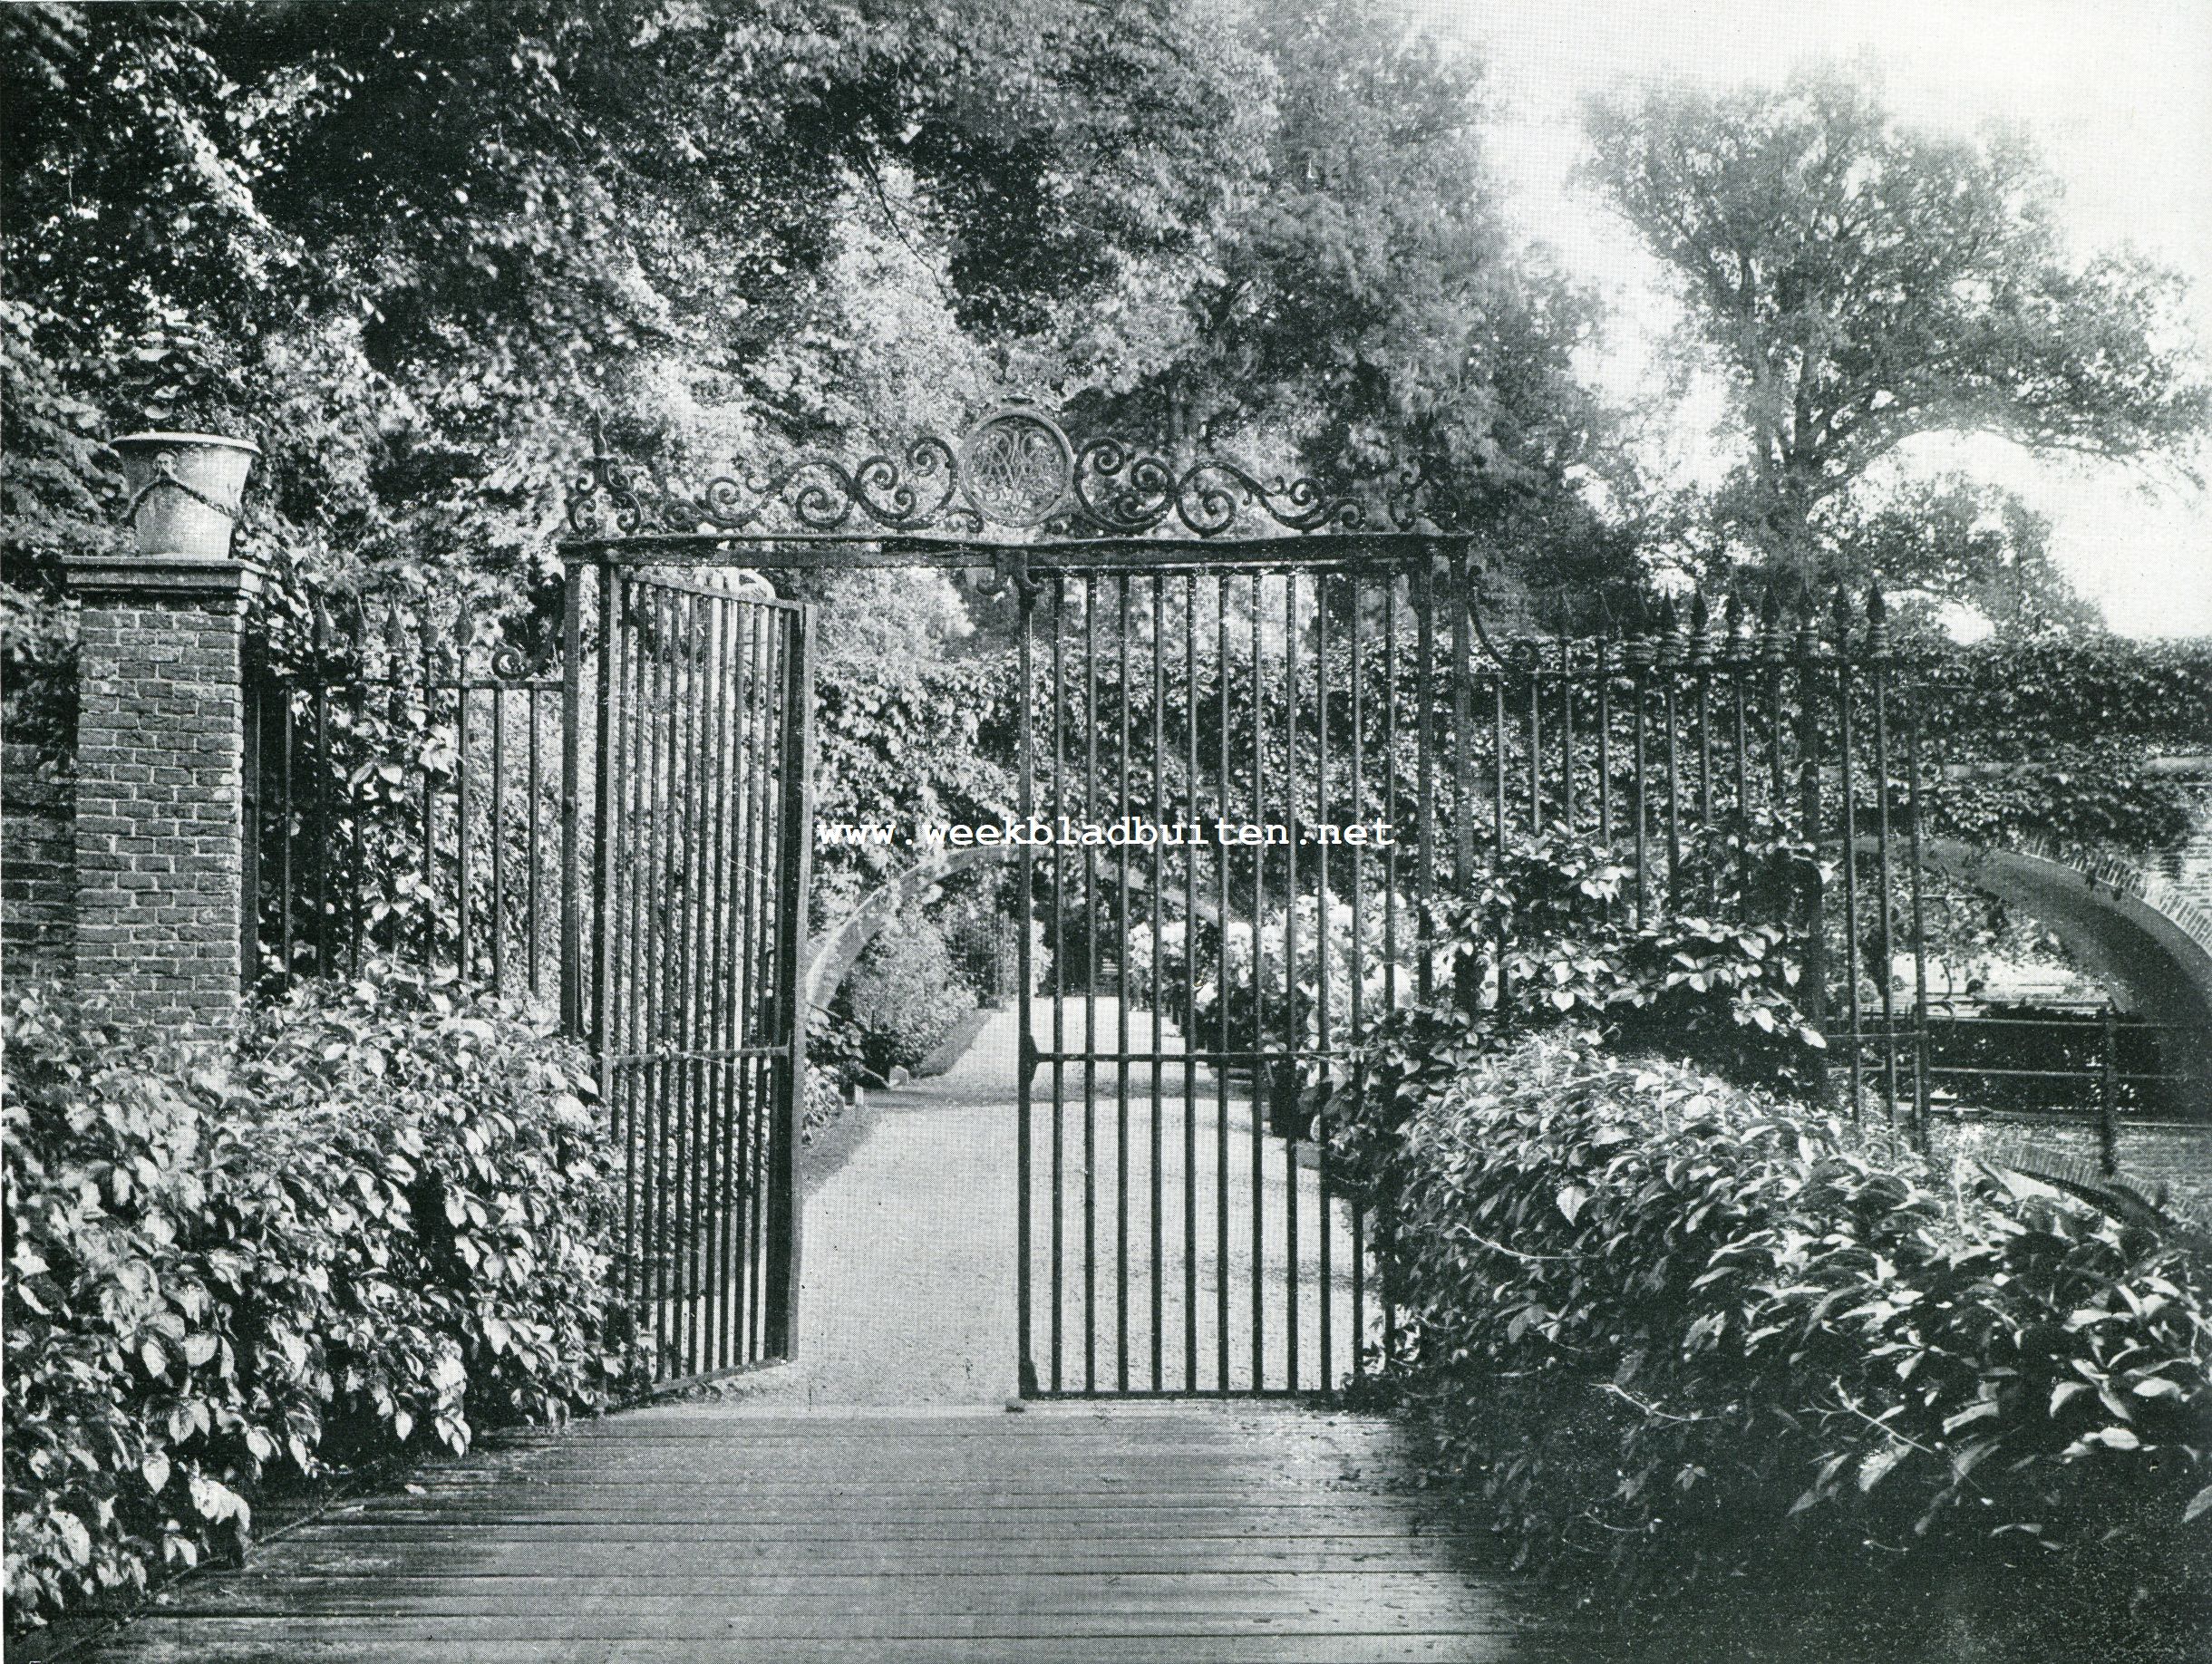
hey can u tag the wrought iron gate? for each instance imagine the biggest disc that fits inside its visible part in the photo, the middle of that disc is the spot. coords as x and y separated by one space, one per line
1247 775
1262 728
1184 834
615 812
704 697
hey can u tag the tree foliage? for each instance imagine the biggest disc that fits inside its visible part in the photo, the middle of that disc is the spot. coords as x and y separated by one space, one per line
1950 542
414 248
1359 305
410 246
1863 282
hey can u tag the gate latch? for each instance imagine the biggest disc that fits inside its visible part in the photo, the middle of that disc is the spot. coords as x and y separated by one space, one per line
1010 566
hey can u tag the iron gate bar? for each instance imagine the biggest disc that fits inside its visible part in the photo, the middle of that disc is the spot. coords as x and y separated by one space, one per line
1025 1374
1883 890
461 887
1159 817
713 1084
1190 994
1920 957
1121 981
1090 987
1221 1004
795 753
1325 949
1257 1150
1850 817
1356 991
1290 964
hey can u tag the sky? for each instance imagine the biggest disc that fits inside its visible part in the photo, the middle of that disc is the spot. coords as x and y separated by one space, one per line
2118 93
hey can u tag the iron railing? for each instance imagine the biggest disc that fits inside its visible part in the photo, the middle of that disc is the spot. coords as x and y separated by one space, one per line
406 791
618 813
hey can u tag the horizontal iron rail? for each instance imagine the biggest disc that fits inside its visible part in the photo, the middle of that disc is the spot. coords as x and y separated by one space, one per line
2081 1024
429 685
620 1059
1172 1394
812 550
2087 1073
2083 1115
1140 1055
737 597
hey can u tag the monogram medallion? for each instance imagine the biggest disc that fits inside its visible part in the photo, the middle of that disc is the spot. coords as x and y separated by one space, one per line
1016 468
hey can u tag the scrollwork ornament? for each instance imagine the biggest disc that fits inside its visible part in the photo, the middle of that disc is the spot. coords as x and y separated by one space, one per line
1014 469
898 500
510 664
1405 499
1120 489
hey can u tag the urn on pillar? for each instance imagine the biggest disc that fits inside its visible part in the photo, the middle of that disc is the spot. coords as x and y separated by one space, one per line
185 490
165 916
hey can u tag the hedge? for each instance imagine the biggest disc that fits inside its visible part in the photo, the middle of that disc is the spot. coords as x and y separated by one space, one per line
386 1224
1683 1328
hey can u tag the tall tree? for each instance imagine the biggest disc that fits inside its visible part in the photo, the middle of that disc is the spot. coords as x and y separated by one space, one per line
1952 541
1360 301
1864 283
409 245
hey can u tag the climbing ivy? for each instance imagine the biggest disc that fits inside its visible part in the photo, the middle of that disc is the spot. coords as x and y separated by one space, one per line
2054 740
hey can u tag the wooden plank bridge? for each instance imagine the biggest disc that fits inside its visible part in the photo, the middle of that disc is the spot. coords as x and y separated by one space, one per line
1143 1533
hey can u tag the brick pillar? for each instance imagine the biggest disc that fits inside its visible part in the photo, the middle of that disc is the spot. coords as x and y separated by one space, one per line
161 778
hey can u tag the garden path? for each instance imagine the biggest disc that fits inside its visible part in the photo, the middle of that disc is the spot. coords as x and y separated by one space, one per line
907 1274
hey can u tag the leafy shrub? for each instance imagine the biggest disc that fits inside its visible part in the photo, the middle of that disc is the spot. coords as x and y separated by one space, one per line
385 1225
912 745
837 1045
1677 1326
905 994
980 932
825 1102
1546 936
1221 966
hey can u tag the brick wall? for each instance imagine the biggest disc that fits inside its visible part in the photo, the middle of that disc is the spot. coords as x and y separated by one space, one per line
2175 1157
2188 866
160 825
38 864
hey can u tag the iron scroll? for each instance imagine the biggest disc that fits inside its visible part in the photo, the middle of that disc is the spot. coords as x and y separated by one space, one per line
1017 470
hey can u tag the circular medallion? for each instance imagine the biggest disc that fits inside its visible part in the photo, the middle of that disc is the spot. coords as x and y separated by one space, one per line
1016 468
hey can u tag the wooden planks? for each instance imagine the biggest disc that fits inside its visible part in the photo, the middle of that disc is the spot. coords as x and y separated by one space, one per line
1196 1535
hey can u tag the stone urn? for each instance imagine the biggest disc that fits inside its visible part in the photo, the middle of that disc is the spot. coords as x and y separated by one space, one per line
185 490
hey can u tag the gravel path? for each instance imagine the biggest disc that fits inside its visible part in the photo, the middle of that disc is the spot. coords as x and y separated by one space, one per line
908 1257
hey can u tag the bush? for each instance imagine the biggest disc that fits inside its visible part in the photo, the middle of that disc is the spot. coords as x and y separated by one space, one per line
1547 938
1681 1326
1221 967
905 994
387 1223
